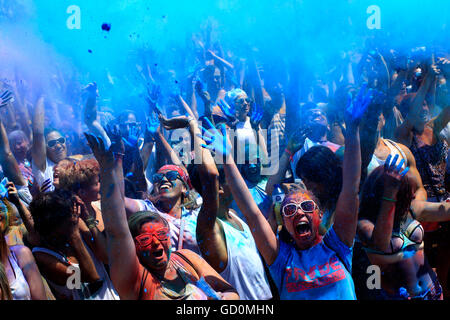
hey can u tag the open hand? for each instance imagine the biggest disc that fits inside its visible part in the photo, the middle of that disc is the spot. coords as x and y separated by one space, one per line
393 174
356 107
229 112
256 116
216 141
117 144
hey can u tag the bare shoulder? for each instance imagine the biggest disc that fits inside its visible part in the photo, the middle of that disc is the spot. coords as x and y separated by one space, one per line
23 254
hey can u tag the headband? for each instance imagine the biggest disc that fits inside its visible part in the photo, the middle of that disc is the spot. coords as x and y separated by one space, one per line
181 172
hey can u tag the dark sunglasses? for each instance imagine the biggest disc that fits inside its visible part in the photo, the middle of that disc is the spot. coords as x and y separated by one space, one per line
306 206
52 143
241 101
170 175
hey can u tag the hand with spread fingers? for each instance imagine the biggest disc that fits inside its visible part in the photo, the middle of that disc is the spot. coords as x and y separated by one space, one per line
356 107
117 143
229 112
151 128
133 137
256 116
152 98
216 141
393 175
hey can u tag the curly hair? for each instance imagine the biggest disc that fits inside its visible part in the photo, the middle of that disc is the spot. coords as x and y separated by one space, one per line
50 210
372 194
76 175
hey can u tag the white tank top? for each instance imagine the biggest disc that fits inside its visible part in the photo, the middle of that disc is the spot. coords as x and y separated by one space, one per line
394 149
245 270
19 287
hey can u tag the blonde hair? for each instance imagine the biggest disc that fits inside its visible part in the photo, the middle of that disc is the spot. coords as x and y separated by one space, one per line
5 290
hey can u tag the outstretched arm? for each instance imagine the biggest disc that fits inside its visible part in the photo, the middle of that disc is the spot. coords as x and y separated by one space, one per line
8 161
265 238
346 214
123 261
90 113
38 149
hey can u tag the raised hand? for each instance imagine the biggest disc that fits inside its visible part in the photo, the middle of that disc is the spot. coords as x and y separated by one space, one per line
151 128
13 195
152 98
297 140
200 89
114 134
104 157
5 98
229 112
256 116
393 174
133 137
91 89
356 107
216 141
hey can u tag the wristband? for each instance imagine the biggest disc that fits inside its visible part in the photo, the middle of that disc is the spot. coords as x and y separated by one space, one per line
389 199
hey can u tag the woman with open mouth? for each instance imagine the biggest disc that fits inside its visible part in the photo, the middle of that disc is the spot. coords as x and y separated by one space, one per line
142 264
307 265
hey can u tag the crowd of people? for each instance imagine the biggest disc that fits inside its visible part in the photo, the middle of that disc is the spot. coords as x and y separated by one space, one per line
247 180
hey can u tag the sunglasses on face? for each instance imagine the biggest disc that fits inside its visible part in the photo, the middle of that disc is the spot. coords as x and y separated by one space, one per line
52 143
170 175
306 206
145 240
242 101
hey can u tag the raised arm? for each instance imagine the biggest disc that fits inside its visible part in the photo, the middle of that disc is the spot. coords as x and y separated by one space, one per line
265 238
346 214
90 113
210 236
32 236
123 261
382 232
38 148
8 161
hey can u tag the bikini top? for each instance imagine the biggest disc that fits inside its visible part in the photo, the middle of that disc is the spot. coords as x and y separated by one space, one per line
404 244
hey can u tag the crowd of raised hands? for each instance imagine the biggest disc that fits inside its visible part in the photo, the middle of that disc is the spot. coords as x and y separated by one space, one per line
237 183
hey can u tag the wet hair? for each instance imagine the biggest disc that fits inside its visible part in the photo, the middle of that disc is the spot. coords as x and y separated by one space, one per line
50 210
372 194
137 220
76 175
320 165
